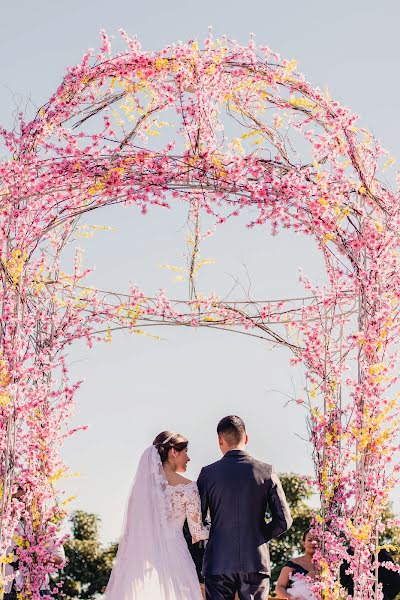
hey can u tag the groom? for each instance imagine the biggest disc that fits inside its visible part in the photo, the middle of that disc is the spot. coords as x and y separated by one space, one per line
238 490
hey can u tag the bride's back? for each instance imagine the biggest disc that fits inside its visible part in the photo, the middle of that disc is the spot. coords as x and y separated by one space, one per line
181 498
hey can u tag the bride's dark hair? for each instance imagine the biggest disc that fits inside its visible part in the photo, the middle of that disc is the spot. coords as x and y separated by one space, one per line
167 440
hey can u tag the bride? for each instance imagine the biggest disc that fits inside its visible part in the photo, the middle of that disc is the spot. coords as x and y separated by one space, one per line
153 561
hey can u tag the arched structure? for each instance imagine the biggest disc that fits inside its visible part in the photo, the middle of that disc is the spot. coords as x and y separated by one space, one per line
243 133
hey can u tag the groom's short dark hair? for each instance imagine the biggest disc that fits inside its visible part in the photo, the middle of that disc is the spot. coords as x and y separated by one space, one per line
232 429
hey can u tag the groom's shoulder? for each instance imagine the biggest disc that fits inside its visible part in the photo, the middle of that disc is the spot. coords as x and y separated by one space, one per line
212 467
266 468
263 467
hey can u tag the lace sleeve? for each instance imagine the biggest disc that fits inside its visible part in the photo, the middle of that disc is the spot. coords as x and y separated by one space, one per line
193 514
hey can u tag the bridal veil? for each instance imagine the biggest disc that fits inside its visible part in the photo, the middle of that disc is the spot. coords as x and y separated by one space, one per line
145 567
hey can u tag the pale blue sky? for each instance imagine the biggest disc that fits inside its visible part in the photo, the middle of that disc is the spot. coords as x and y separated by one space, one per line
136 387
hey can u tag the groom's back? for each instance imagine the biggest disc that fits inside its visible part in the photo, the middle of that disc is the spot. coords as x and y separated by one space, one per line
237 491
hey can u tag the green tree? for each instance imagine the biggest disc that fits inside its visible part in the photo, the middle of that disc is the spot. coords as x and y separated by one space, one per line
88 564
391 536
297 492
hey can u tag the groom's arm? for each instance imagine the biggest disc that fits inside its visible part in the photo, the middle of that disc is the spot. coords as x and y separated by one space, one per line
281 519
202 485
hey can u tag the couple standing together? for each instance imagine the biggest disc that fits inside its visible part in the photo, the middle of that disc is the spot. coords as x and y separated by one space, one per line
153 560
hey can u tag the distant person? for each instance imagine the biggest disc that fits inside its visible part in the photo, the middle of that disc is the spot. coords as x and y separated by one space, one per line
237 491
291 582
389 578
12 572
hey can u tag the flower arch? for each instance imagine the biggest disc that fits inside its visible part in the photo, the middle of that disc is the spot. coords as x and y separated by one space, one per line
249 135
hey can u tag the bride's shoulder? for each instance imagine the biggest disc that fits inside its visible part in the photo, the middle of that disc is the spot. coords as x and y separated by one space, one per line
180 480
184 480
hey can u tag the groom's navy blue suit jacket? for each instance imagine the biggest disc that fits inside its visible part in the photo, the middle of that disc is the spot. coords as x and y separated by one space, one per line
238 490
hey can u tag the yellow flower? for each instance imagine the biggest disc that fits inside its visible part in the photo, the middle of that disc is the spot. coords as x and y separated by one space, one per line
291 66
108 335
327 237
7 559
301 102
5 399
161 63
57 475
390 161
15 265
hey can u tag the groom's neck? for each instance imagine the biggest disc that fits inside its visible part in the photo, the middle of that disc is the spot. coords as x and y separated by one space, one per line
235 444
238 447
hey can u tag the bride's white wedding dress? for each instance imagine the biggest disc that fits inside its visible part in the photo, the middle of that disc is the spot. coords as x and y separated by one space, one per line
153 560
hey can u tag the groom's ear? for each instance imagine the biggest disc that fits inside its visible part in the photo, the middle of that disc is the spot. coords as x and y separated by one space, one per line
221 443
246 441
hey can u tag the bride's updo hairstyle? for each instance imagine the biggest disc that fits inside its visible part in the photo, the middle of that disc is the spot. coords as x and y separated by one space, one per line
167 440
